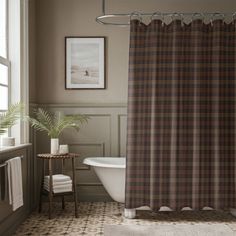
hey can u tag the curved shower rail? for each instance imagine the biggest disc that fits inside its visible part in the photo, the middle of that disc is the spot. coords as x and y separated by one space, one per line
102 18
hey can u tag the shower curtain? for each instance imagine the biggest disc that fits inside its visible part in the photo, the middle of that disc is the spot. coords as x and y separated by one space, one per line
181 115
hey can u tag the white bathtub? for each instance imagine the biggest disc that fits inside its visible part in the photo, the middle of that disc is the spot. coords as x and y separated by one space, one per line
111 172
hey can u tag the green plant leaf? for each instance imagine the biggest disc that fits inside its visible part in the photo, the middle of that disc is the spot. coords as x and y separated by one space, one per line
54 124
9 118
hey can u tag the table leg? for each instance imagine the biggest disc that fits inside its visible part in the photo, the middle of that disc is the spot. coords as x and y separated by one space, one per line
74 187
41 188
62 197
50 187
62 166
63 202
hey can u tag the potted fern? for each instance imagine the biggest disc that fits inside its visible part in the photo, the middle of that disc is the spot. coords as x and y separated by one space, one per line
53 124
7 120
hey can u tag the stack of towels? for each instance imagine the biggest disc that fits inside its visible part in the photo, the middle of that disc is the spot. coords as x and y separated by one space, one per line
60 183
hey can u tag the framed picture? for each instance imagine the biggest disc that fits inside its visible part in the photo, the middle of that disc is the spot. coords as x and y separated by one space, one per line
85 63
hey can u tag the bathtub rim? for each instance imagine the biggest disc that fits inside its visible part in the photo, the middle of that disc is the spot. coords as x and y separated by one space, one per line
94 161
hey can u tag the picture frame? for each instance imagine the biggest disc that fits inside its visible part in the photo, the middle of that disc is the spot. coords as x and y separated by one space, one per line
85 62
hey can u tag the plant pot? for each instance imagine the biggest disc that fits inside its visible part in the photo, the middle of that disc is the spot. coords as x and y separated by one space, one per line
54 145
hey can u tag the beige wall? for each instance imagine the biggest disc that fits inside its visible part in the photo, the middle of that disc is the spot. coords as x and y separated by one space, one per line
56 19
32 51
105 133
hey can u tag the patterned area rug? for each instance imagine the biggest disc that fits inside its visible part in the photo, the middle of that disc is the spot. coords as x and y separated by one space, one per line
94 215
169 230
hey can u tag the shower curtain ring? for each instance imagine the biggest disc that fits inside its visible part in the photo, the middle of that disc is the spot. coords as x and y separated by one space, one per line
196 16
217 14
176 14
211 20
233 17
158 14
136 14
182 19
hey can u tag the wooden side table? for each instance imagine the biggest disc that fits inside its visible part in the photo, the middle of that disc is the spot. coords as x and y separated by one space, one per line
50 158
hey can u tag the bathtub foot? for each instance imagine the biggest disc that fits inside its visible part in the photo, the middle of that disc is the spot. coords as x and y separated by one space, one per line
233 211
130 213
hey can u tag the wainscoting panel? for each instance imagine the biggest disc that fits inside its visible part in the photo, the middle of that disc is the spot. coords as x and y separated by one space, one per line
85 174
122 122
85 150
103 135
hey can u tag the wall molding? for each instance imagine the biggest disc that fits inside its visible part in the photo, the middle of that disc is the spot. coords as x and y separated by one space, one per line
119 133
102 148
82 105
89 184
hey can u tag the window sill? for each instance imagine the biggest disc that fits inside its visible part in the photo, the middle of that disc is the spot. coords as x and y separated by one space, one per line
13 148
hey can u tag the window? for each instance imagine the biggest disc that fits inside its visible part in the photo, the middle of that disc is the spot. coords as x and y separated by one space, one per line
4 61
14 61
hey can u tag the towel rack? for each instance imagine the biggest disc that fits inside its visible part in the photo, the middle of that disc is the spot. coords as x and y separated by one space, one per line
5 163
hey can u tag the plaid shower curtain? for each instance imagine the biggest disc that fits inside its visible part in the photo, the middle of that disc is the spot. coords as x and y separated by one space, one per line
181 115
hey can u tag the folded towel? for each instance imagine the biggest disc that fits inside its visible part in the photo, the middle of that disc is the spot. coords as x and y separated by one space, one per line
65 187
14 173
57 187
60 189
57 178
58 183
68 188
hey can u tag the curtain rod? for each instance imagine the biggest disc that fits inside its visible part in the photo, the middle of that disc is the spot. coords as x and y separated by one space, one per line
101 19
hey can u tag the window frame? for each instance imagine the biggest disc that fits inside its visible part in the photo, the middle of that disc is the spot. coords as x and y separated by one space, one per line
5 61
17 62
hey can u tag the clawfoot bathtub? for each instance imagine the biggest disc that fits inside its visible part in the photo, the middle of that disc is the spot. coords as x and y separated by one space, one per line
111 172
